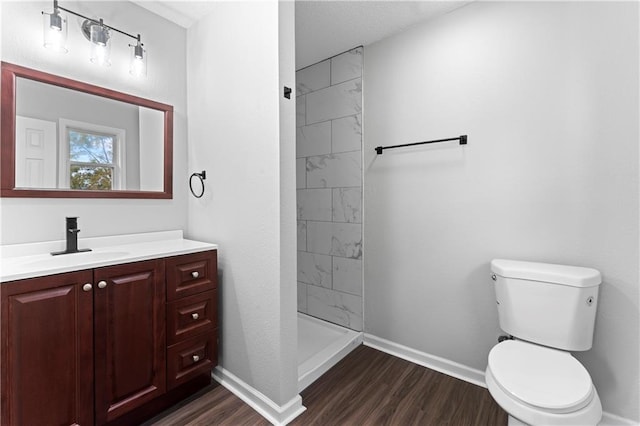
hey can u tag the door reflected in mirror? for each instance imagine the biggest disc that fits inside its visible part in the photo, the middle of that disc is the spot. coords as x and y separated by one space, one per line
71 139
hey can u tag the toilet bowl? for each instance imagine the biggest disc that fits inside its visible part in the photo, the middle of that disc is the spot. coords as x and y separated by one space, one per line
538 385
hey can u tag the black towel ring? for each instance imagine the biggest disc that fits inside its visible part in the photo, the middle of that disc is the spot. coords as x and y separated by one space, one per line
202 176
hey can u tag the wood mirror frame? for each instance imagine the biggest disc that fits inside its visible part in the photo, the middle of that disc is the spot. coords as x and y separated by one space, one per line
10 73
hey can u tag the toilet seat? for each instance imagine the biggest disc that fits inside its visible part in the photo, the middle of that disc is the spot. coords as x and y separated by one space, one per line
541 377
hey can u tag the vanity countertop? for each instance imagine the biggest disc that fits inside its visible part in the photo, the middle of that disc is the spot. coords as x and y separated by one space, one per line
20 261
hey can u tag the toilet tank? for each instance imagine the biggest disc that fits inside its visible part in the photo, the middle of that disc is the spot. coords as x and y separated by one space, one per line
548 304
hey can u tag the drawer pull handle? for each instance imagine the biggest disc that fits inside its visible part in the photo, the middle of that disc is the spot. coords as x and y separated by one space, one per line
195 358
195 316
87 287
102 284
195 274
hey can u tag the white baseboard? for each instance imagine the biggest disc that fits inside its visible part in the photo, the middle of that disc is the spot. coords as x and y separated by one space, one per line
424 359
609 419
274 413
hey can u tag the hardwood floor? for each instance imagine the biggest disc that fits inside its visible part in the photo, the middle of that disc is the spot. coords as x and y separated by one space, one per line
214 406
368 387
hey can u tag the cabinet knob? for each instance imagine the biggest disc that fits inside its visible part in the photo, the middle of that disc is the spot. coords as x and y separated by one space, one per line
195 358
102 284
195 316
87 287
195 274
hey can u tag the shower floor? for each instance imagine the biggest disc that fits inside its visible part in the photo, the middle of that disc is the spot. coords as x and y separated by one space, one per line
320 346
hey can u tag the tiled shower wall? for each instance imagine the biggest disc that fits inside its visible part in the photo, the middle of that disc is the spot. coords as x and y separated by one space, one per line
329 183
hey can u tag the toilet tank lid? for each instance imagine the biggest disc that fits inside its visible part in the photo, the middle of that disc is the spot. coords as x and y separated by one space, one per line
574 276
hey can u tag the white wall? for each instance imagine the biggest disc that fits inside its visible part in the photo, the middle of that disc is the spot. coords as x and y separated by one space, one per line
27 220
151 149
242 134
548 94
288 318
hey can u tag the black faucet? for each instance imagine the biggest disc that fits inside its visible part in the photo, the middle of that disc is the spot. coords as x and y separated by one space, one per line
72 238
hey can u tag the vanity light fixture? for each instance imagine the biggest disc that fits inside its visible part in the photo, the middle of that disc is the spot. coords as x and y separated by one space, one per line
55 29
138 64
98 33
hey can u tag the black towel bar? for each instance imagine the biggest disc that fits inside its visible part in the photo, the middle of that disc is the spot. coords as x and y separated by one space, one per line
462 139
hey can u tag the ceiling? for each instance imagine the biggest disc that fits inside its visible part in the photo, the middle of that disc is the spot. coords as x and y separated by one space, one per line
325 28
183 13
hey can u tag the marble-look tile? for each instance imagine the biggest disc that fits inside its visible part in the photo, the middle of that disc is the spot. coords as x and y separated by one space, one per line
302 297
346 134
340 308
337 239
347 205
314 269
301 173
301 110
347 275
313 140
302 235
334 170
314 77
314 204
329 181
335 101
346 66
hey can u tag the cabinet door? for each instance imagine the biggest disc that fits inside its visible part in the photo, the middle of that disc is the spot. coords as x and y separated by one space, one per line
47 350
129 323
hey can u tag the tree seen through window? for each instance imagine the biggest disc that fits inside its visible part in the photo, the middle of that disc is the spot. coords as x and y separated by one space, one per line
91 160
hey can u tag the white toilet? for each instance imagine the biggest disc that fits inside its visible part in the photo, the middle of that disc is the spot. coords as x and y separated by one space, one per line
549 310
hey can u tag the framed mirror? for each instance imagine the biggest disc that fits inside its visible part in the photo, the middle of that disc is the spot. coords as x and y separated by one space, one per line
63 138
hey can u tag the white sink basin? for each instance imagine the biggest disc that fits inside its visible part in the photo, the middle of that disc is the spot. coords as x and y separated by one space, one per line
79 259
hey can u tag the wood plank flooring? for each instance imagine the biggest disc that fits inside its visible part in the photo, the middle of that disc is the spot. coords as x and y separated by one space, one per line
368 387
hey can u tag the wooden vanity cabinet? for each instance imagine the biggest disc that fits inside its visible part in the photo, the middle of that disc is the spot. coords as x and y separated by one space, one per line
47 351
91 347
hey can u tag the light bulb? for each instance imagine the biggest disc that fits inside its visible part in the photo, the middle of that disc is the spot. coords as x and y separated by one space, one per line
100 45
55 31
138 64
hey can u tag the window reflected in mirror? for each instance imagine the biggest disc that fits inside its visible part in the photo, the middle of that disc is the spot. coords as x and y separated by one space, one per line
91 163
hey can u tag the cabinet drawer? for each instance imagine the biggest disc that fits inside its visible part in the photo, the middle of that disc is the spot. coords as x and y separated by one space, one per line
191 274
192 315
188 359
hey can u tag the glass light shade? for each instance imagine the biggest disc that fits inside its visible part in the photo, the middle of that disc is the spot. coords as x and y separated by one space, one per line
100 45
54 27
138 64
